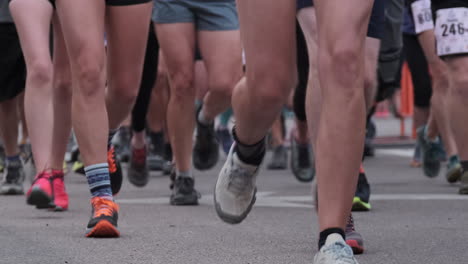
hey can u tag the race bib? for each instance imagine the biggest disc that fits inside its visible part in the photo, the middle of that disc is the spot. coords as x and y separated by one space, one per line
422 15
452 31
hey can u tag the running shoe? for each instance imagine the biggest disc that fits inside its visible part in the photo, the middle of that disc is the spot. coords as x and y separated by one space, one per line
104 217
362 195
335 251
183 192
138 174
155 161
13 179
454 170
235 189
25 152
279 160
78 167
430 154
60 195
353 238
115 171
464 183
301 165
206 148
167 168
41 192
224 136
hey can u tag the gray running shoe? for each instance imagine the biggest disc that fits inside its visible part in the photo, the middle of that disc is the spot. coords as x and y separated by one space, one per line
354 238
183 192
13 179
206 148
279 160
167 167
464 183
335 251
235 189
301 162
430 154
155 162
454 170
138 174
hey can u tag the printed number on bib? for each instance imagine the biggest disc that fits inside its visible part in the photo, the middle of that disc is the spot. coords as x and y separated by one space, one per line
422 15
451 31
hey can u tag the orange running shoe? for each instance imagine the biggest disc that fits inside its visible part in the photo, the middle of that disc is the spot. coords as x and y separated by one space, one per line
115 171
41 193
103 222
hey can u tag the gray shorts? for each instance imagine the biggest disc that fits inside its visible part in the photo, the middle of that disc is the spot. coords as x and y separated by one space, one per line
207 15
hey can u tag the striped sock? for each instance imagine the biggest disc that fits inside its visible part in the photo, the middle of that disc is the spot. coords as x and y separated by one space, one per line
99 180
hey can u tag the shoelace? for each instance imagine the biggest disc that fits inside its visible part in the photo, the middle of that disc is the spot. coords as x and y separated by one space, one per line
340 252
350 224
102 207
111 160
42 175
239 179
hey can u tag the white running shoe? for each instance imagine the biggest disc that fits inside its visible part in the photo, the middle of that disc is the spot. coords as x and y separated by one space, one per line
335 251
235 189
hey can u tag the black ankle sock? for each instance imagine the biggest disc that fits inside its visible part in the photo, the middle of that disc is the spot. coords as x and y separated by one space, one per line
464 164
325 233
250 154
157 140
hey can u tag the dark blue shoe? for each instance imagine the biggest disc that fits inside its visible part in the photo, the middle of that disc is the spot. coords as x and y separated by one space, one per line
225 138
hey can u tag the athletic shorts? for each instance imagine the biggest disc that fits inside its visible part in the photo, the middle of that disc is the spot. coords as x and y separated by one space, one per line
207 15
376 23
125 2
12 65
52 2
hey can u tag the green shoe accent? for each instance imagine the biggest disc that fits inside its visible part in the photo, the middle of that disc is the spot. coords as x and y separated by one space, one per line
360 206
78 167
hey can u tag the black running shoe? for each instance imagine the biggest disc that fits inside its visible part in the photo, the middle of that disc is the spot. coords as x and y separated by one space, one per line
302 164
362 196
183 192
115 171
138 173
279 160
206 149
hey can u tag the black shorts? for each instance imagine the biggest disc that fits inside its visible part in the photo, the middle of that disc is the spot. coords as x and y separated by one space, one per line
12 65
442 4
377 20
52 2
126 2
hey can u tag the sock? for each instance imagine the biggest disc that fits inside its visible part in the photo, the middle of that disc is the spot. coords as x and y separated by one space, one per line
112 133
202 118
187 174
99 180
167 151
13 161
157 140
224 118
250 154
325 233
454 159
464 164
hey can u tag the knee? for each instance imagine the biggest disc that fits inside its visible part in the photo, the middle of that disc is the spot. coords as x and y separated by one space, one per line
125 88
343 60
90 76
222 86
182 89
460 86
40 73
272 89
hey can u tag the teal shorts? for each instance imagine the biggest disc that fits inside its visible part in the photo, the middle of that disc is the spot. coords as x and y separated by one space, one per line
207 15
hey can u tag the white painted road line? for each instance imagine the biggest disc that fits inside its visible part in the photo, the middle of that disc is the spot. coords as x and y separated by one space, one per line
267 199
407 153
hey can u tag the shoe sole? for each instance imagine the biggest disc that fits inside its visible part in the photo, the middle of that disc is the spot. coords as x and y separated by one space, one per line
357 249
11 191
185 201
454 175
103 229
232 219
360 206
40 199
136 180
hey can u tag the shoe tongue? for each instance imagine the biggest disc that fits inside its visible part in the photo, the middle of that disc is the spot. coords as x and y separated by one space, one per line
334 238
